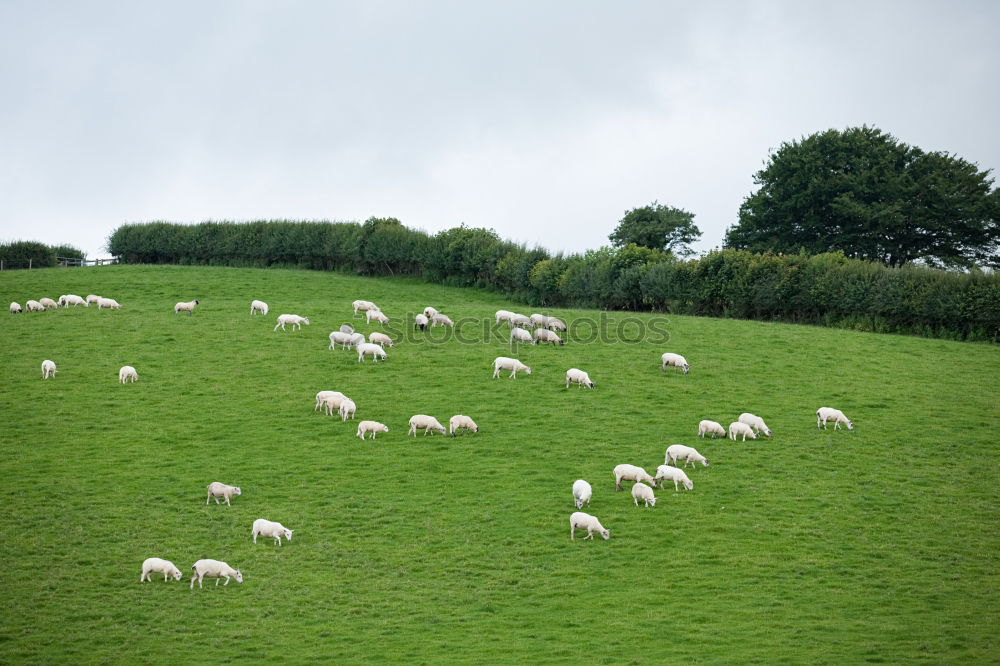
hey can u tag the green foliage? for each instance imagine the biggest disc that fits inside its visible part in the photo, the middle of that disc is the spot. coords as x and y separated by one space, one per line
658 227
18 254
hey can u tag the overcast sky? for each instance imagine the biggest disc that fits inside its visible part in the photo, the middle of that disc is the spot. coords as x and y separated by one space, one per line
544 120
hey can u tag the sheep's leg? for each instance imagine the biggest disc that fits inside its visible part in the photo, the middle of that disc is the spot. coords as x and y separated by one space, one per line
164 578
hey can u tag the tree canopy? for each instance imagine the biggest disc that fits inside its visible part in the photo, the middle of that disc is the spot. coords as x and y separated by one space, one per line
657 227
873 197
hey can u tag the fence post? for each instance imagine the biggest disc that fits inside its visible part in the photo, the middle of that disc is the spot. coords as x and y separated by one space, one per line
29 263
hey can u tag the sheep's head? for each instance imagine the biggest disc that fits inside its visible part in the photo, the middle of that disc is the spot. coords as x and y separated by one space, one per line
686 368
527 370
767 432
590 384
850 426
288 534
385 428
704 463
606 534
238 576
177 574
237 491
688 484
652 502
305 320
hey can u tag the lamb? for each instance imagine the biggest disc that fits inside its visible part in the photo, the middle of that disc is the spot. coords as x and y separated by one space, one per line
521 335
322 397
48 369
258 306
217 490
331 403
579 377
213 569
631 473
293 319
72 299
380 339
186 307
755 422
582 492
153 565
555 324
347 409
372 427
377 316
512 364
108 304
641 491
520 320
585 521
442 320
48 303
461 422
269 528
545 335
421 321
363 306
425 423
666 473
710 428
127 373
538 320
429 312
824 414
367 348
34 306
504 315
689 455
675 360
15 307
93 298
737 428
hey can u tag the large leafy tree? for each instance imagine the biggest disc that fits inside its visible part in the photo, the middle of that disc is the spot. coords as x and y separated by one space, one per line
657 227
864 192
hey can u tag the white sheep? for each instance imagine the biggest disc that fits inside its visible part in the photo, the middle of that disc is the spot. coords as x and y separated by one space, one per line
347 409
380 339
520 335
755 422
737 428
93 298
269 528
363 306
108 304
429 312
512 364
322 396
48 369
504 315
425 423
538 320
293 319
545 335
520 320
442 320
585 521
213 569
72 299
217 490
710 428
675 360
347 328
377 316
331 403
555 323
421 321
461 422
48 303
688 454
345 340
641 491
185 307
153 565
372 427
258 306
34 306
579 377
367 348
582 492
631 473
127 373
15 307
824 414
666 473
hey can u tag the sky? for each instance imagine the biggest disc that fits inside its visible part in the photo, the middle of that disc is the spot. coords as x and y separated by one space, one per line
543 120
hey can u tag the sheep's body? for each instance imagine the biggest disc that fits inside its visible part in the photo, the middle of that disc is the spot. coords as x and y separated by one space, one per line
755 422
688 454
710 428
512 364
72 299
631 473
268 528
258 306
461 422
520 320
322 397
824 414
737 428
520 335
363 306
545 335
185 307
429 312
332 402
675 360
380 339
293 319
153 565
217 490
34 306
347 328
578 377
582 492
15 307
369 349
48 369
377 316
347 409
425 423
48 303
340 338
372 427
666 473
93 298
108 304
584 521
641 491
203 569
555 323
442 320
127 373
538 320
421 321
504 315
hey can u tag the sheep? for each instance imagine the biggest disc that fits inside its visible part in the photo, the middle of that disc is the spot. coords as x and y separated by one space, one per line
72 299
429 312
48 369
345 339
322 396
186 307
372 427
461 422
217 490
363 306
153 565
293 319
710 428
666 473
520 320
380 339
93 298
425 423
48 303
688 454
377 316
347 328
676 360
421 321
442 320
538 320
331 403
738 428
269 528
555 324
579 377
824 414
631 473
367 348
213 569
127 373
545 335
347 409
34 306
521 335
108 304
512 364
641 491
15 307
504 315
755 422
585 521
258 306
582 492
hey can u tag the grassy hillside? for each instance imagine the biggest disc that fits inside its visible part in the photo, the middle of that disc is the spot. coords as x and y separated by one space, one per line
879 544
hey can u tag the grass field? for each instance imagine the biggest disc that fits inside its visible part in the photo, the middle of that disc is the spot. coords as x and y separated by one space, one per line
876 545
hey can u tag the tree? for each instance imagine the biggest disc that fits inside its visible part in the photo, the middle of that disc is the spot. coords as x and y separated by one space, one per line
657 227
867 194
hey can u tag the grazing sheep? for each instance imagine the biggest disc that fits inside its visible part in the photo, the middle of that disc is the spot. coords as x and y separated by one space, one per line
213 569
641 491
710 428
737 428
521 335
367 348
34 306
512 364
108 304
347 328
153 565
631 473
93 298
372 427
689 455
347 409
824 414
520 320
538 320
666 473
269 528
217 490
425 423
332 402
579 377
258 306
545 335
48 369
380 339
377 316
127 373
555 323
345 340
504 315
585 521
322 396
185 307
72 299
461 422
755 422
429 312
582 492
15 307
48 303
421 321
293 319
676 360
442 320
363 306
